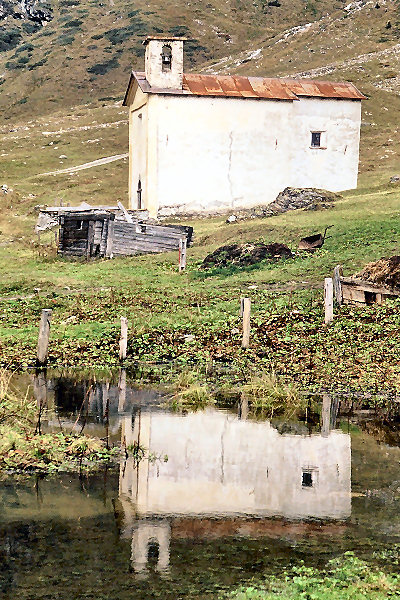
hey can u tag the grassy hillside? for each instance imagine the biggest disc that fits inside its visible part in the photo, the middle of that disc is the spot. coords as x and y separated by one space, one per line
61 107
87 48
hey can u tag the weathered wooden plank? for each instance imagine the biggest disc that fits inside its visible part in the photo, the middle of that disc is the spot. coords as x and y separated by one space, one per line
367 286
103 241
337 286
149 230
98 229
110 239
353 294
173 242
144 240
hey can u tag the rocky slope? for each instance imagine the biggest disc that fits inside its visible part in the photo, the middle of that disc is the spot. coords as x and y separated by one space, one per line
67 52
36 11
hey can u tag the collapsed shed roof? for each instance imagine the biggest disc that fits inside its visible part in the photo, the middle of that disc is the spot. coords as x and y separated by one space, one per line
234 86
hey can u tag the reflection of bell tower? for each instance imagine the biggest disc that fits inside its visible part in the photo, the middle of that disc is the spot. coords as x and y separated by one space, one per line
151 541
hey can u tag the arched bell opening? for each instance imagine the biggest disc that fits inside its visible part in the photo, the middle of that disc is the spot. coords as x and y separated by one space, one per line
166 58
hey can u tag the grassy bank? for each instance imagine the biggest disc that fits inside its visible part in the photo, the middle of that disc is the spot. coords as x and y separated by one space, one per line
343 578
24 449
193 318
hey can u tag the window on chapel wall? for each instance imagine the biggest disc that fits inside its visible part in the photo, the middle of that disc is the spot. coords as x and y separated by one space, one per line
316 139
166 57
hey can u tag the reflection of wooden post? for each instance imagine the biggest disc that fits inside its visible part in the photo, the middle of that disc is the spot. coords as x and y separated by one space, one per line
243 407
328 299
326 415
246 322
106 410
123 342
182 254
44 334
121 390
337 284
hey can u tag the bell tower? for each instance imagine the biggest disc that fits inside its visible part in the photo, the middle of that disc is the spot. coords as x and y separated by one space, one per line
164 62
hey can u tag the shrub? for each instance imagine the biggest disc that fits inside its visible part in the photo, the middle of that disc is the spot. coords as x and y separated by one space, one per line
118 36
73 24
65 40
39 63
24 48
9 39
30 27
103 68
179 30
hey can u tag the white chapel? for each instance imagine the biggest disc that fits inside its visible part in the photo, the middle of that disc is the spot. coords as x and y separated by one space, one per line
211 143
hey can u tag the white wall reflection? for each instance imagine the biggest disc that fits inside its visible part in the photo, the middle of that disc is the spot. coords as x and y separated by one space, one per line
221 466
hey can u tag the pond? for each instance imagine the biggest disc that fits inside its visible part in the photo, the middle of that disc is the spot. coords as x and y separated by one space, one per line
201 502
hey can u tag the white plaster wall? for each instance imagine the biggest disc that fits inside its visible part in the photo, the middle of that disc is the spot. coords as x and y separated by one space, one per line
213 154
217 153
334 167
218 464
138 149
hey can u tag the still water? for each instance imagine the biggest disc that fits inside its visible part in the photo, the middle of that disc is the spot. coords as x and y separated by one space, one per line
221 496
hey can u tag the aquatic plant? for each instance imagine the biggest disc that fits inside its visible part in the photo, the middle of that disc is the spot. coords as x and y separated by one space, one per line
190 393
343 578
24 448
16 412
268 394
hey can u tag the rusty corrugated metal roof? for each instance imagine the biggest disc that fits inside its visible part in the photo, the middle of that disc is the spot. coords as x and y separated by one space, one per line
251 87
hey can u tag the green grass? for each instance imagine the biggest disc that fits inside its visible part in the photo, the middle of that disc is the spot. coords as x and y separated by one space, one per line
345 578
358 350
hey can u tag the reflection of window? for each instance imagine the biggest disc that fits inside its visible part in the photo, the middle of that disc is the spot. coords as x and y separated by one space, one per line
316 139
309 477
166 58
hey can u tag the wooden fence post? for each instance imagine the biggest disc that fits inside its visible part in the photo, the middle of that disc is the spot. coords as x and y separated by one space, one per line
43 340
328 299
182 254
246 322
337 284
123 342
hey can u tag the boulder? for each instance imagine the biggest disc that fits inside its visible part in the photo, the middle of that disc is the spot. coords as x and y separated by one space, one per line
289 199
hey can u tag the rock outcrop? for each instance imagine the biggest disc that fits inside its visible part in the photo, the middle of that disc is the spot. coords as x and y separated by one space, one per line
37 11
289 199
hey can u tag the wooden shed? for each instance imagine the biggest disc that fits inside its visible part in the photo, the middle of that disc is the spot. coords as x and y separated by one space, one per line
100 233
354 290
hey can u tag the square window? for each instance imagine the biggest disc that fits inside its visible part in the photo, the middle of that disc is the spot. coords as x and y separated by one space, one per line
316 139
307 479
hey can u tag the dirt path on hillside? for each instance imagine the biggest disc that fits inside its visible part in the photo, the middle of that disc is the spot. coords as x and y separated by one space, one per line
89 165
350 62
